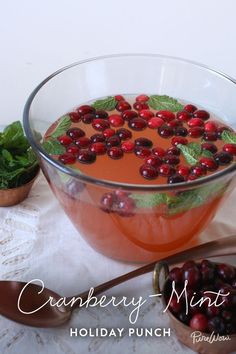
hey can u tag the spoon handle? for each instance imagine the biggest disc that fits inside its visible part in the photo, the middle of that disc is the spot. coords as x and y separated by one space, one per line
222 247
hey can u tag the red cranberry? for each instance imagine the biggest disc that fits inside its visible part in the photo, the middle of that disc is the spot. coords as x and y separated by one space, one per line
176 178
124 134
97 138
166 170
208 274
174 123
125 207
148 171
226 315
176 275
142 151
75 117
221 129
65 140
199 322
119 98
210 126
128 146
179 140
83 142
196 132
190 108
128 115
108 132
143 142
165 132
146 114
210 136
115 153
198 171
195 122
137 124
210 147
107 202
88 118
213 311
100 124
189 264
139 106
98 148
223 158
158 151
173 150
192 177
155 123
167 116
75 133
193 276
226 272
216 325
113 141
153 160
184 116
85 109
86 157
181 131
209 163
100 113
185 318
67 158
116 120
204 115
122 106
183 171
205 263
175 305
142 98
171 159
230 148
72 149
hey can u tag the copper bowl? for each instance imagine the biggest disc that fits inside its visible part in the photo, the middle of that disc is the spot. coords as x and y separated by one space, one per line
183 332
13 196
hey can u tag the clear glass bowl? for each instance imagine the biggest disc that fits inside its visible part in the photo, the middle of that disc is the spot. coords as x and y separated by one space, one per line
152 232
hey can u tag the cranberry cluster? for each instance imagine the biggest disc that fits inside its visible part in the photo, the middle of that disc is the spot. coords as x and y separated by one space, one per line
115 140
203 277
118 202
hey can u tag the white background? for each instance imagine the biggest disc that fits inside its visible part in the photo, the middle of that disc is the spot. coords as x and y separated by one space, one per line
38 37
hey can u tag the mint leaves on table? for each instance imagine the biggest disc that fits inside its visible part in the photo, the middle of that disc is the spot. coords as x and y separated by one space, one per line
62 125
163 102
107 104
18 163
228 137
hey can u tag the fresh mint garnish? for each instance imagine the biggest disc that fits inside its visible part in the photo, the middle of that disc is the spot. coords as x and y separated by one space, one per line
53 147
206 153
107 104
163 102
191 152
150 200
228 137
63 124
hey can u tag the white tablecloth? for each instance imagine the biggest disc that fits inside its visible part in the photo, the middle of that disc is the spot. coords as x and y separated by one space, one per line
37 240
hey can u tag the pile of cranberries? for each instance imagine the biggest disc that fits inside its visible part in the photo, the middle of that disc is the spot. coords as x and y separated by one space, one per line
118 202
205 280
115 140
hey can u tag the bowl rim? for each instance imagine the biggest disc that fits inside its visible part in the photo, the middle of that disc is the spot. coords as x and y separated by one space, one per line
107 183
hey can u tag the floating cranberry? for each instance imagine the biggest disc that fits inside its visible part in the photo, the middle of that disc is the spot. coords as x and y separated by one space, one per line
128 146
158 151
65 140
220 131
143 142
190 108
75 133
115 153
155 123
113 141
195 122
125 207
226 272
72 149
210 136
183 116
137 124
67 158
88 118
119 98
211 126
86 157
167 116
199 170
146 114
204 115
216 325
223 158
142 151
230 148
180 131
199 322
176 275
148 171
165 132
153 160
75 117
175 305
193 276
116 120
166 170
107 133
179 140
171 159
83 142
98 148
100 124
97 138
85 109
174 123
209 163
176 178
107 202
183 171
122 106
173 150
124 134
100 113
142 98
192 177
128 115
139 106
196 132
210 147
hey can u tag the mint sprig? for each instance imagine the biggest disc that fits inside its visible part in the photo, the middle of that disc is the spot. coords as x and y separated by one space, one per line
191 152
62 125
150 200
107 104
228 137
164 102
53 147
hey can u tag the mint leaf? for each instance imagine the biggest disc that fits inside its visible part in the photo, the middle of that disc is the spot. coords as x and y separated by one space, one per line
228 137
163 102
53 147
13 138
191 152
108 104
63 124
206 153
150 200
